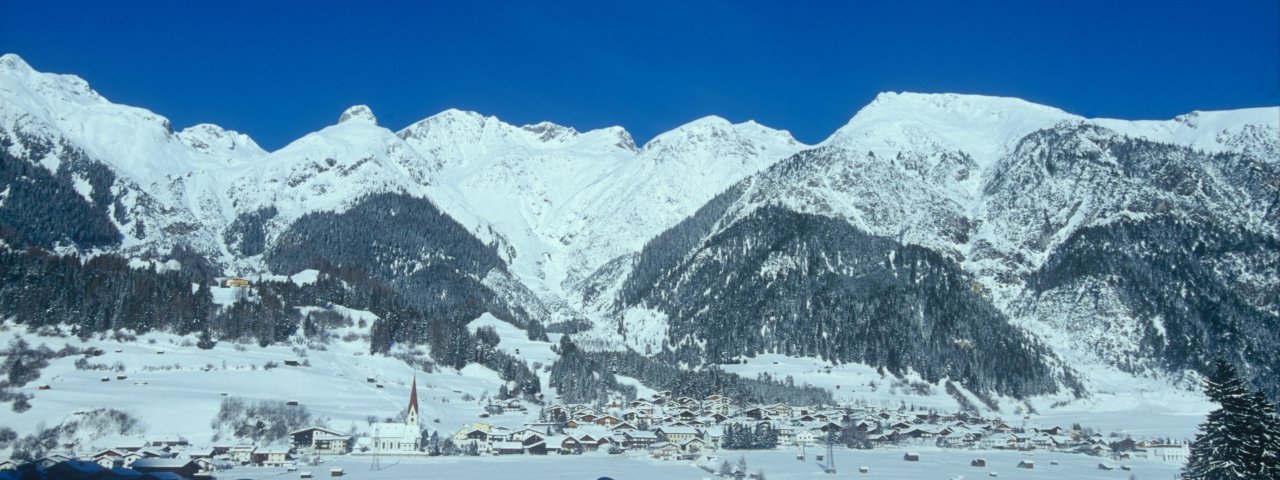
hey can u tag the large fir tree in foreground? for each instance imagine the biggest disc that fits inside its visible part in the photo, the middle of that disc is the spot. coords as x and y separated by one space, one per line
1240 440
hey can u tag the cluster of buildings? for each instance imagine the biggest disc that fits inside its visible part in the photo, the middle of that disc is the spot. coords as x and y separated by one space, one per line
159 460
664 426
680 427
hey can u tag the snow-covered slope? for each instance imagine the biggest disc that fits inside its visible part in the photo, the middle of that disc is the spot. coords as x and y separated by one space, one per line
1000 186
564 203
168 188
559 203
996 185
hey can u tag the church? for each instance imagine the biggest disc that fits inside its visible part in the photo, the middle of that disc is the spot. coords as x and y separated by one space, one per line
396 437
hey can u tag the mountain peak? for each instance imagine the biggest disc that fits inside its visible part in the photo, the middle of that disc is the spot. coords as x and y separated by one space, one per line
358 113
207 137
981 126
547 131
714 129
953 103
12 62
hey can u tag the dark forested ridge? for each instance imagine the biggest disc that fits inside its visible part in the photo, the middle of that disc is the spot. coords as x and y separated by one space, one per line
43 209
1188 276
798 284
247 235
406 243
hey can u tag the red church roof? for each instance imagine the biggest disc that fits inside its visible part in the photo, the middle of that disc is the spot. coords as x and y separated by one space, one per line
413 395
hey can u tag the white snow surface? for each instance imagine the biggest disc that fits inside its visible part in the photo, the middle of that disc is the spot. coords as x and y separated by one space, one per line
886 463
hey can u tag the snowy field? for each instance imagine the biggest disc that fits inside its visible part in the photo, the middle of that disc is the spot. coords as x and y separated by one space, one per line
1121 403
175 390
779 464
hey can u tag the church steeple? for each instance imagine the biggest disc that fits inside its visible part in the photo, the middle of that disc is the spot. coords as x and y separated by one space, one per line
412 417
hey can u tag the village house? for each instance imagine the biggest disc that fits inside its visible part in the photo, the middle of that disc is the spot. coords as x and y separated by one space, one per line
675 434
241 454
183 467
665 451
273 457
304 438
639 439
476 435
327 444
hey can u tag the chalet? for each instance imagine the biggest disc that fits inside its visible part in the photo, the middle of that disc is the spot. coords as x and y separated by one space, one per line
477 433
326 444
623 426
830 427
978 462
183 467
274 457
132 457
780 410
237 282
305 438
1027 464
241 454
534 441
110 452
498 434
693 445
109 461
639 439
911 457
675 434
8 464
479 437
665 450
205 465
902 425
564 444
805 436
608 420
336 472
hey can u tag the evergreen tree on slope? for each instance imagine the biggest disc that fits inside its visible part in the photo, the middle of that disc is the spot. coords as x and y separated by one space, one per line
1238 439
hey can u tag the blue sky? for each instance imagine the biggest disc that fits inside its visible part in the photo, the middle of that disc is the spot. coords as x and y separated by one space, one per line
276 70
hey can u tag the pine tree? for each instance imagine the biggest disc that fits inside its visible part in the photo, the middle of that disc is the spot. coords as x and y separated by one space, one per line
1232 445
205 342
1267 427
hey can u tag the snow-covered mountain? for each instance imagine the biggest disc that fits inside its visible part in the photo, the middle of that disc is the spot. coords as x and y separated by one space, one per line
995 204
1007 192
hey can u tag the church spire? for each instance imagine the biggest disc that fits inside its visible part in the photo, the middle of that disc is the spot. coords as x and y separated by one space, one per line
412 416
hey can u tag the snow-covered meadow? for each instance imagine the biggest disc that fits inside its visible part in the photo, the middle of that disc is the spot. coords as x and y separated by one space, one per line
775 464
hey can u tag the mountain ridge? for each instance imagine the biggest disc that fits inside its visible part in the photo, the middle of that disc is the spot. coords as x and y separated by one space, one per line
994 185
